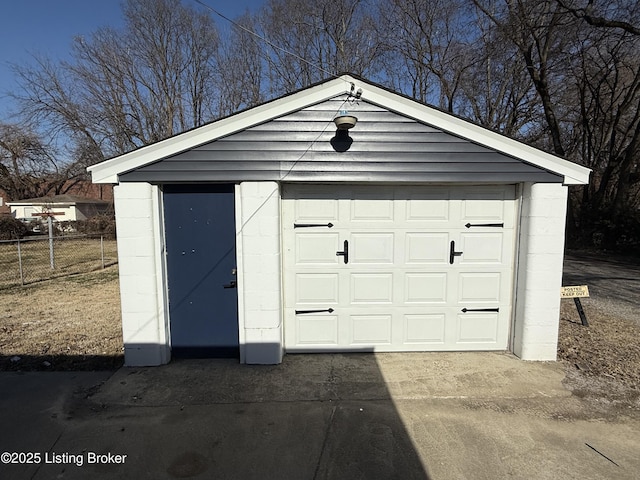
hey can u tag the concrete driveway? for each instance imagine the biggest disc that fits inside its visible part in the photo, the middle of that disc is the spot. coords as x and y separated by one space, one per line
360 416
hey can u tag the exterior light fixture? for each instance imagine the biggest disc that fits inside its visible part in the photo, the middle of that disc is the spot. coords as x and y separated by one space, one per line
345 121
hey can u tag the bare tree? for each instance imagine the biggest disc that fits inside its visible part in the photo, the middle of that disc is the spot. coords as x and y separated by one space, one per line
240 73
496 91
312 41
538 29
626 13
586 76
28 167
431 47
129 88
607 130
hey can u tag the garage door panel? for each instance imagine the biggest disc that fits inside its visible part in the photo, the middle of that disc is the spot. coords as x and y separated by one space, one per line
424 329
316 329
425 288
488 205
371 247
431 206
316 210
426 247
481 247
370 329
317 248
482 210
317 288
474 288
371 288
477 328
369 206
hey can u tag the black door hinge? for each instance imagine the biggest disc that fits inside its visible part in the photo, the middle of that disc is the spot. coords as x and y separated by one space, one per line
302 312
499 225
309 225
465 310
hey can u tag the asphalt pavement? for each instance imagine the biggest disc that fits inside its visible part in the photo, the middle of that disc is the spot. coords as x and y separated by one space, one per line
343 416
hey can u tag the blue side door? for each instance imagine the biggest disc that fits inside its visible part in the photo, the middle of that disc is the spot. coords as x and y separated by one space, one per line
201 262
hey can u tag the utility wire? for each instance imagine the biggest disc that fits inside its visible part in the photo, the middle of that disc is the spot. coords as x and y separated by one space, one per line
268 42
313 142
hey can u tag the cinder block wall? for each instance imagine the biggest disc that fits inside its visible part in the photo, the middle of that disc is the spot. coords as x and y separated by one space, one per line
259 276
539 276
144 329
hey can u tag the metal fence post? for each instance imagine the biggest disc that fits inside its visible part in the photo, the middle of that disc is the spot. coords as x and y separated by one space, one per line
51 258
102 250
20 264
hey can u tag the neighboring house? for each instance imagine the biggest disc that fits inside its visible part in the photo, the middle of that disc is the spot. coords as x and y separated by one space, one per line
274 231
61 208
87 189
4 208
81 188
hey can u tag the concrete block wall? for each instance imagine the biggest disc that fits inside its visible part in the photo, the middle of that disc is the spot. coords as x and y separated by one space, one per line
142 276
539 274
259 272
144 325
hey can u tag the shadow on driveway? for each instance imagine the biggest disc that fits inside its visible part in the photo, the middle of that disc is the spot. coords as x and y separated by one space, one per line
313 417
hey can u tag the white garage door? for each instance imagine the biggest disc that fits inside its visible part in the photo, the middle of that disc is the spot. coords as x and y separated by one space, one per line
390 268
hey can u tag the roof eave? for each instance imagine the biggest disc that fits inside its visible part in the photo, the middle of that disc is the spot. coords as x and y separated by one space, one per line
573 173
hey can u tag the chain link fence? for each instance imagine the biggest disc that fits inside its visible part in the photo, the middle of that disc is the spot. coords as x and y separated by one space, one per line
35 259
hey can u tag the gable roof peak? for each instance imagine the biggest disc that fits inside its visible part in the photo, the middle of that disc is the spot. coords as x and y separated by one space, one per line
345 84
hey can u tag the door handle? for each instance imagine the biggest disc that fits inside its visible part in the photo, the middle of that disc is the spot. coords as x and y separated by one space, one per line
344 253
453 253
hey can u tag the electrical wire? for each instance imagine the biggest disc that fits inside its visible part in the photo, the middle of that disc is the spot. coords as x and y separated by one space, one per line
332 75
268 42
313 142
350 99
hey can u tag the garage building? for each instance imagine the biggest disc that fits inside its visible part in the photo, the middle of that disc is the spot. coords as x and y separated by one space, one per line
341 218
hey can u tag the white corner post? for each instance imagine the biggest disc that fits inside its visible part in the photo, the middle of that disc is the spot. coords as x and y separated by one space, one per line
259 272
539 274
144 318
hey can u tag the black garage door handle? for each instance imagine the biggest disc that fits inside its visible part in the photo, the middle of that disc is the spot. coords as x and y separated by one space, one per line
344 253
452 252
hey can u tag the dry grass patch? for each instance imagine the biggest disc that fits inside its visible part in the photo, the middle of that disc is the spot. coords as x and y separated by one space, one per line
70 323
72 255
603 359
